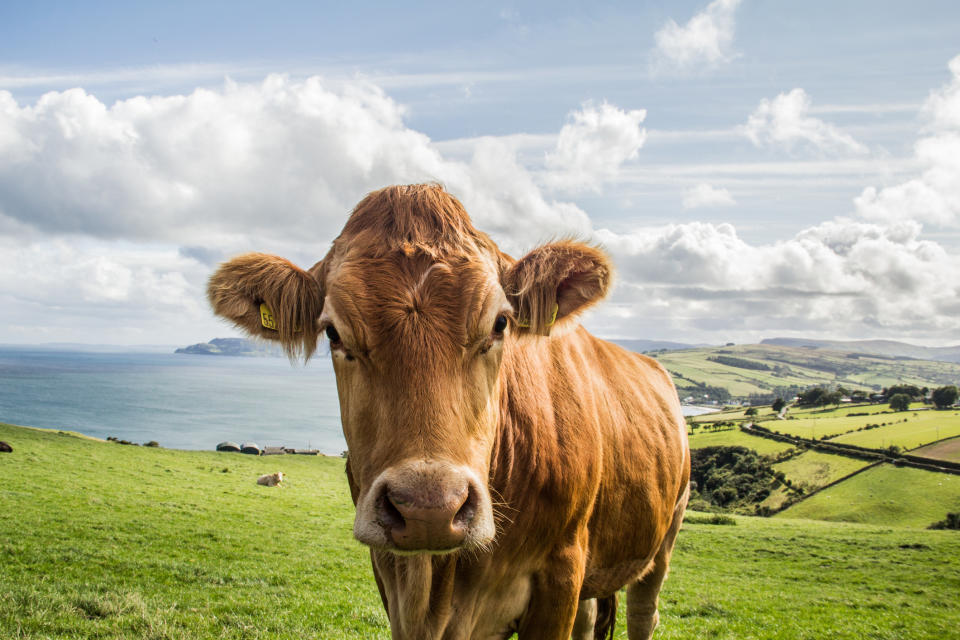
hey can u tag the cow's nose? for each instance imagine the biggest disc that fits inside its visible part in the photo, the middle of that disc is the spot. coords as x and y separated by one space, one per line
427 518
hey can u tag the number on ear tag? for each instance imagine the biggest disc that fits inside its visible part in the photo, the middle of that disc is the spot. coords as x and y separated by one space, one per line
266 317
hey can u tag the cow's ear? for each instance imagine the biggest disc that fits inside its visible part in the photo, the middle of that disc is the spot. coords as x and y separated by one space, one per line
269 297
554 282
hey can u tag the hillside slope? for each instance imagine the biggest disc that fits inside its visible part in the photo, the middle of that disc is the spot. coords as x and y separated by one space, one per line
889 348
768 370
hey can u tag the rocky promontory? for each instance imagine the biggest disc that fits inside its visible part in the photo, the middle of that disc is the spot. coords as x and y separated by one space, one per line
233 347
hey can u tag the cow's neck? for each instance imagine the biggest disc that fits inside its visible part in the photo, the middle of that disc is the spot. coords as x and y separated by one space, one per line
525 442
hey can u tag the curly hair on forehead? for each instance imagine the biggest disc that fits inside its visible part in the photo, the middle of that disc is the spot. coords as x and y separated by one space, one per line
415 218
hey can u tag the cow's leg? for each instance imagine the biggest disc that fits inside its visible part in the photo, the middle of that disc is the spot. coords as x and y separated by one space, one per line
554 596
585 620
643 595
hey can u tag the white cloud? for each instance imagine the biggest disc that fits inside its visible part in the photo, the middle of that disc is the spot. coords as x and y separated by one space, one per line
784 122
705 41
705 195
840 278
272 160
592 147
68 290
933 196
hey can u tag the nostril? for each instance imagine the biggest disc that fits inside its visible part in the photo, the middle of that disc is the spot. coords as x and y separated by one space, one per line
387 512
467 510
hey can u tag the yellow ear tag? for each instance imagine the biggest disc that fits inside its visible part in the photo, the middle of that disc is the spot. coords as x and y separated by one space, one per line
526 324
266 317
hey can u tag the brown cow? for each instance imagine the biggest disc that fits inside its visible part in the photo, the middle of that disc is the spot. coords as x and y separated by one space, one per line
506 465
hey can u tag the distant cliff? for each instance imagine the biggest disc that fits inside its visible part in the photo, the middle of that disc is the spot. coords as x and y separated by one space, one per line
233 347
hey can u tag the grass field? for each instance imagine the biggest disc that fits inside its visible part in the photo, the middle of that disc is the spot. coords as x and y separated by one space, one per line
920 428
737 438
812 469
902 497
947 450
105 541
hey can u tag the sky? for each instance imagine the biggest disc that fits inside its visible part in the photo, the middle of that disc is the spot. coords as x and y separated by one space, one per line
754 168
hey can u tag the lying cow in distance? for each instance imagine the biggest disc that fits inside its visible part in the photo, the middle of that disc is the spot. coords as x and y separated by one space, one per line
507 467
271 479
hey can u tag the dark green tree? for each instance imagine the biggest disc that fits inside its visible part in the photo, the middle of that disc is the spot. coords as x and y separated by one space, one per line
944 397
909 389
900 402
778 404
752 411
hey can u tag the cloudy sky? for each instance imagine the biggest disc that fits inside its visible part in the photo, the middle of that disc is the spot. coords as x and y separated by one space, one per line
756 168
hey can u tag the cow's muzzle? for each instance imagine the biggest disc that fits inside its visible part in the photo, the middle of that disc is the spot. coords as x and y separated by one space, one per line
425 506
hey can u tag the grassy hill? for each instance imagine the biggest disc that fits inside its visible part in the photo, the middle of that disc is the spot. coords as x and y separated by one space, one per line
110 541
767 369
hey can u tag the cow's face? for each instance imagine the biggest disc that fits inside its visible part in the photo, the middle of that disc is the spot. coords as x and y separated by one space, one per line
418 329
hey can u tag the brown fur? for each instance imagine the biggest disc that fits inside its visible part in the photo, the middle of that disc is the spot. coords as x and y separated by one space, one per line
582 444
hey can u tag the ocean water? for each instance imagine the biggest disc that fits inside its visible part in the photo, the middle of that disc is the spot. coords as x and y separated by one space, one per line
182 401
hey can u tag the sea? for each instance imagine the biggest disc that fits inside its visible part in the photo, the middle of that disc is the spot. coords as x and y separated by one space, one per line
181 401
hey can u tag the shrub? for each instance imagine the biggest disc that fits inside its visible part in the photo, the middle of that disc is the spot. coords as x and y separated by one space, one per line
716 518
952 521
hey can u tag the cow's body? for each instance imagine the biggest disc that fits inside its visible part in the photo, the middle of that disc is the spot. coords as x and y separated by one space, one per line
500 478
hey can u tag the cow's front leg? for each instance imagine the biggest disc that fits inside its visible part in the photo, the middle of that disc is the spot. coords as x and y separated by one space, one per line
554 597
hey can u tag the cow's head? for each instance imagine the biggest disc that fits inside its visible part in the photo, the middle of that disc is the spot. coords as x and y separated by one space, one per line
421 310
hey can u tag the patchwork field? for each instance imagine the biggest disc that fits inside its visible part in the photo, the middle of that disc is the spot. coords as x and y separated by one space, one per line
885 494
112 542
919 428
948 450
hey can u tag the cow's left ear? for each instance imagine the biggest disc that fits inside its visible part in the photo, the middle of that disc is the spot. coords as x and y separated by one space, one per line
556 281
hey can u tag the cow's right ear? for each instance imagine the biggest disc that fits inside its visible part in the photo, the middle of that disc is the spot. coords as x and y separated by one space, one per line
269 297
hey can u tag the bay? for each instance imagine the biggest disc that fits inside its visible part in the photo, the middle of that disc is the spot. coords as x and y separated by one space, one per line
181 401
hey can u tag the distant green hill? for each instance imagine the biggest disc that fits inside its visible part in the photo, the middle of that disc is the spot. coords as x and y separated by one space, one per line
769 370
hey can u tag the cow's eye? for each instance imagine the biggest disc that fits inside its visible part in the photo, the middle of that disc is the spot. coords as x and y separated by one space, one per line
500 324
332 335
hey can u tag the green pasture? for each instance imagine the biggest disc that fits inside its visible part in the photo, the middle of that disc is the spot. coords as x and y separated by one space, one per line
737 438
816 425
813 469
99 540
111 541
920 428
840 411
884 495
